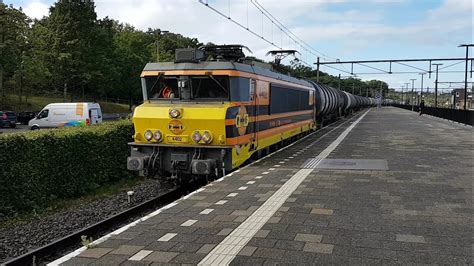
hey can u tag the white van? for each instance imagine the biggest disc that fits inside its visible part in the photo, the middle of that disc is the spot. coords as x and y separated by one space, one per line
67 115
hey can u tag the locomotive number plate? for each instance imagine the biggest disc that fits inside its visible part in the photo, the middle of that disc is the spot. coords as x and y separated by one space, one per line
178 139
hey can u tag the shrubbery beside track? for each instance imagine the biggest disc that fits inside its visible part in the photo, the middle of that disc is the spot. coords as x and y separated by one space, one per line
38 167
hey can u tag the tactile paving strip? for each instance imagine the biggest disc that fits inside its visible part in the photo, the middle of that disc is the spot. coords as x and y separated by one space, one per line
346 164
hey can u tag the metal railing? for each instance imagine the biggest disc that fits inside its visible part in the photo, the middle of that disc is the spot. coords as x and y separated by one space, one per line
461 116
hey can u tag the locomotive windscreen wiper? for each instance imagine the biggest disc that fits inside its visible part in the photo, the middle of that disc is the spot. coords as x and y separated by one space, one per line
218 83
160 75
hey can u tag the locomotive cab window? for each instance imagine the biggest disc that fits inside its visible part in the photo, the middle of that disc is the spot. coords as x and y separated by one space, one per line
210 87
160 87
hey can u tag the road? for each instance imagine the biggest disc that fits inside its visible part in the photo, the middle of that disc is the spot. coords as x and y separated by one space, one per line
19 128
22 128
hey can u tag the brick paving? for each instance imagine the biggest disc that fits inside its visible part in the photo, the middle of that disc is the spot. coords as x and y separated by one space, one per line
417 211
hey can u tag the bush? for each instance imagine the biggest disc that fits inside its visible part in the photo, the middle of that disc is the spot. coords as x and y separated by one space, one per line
40 166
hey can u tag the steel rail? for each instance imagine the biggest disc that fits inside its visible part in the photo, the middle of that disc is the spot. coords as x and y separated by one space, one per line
58 247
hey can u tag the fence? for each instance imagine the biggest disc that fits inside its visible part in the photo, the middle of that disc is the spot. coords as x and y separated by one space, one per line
461 116
95 98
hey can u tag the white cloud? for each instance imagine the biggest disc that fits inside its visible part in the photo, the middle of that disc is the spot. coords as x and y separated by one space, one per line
193 19
452 8
438 27
187 17
308 19
36 9
355 30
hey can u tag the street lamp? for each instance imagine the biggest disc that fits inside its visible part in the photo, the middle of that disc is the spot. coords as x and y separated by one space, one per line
163 32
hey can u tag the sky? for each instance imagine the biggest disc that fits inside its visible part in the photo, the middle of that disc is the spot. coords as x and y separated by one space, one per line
337 29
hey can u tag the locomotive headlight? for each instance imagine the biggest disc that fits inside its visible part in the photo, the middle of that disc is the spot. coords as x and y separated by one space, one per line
157 135
174 113
196 136
207 137
148 135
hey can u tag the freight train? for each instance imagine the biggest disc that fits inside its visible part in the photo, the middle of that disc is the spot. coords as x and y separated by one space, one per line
213 109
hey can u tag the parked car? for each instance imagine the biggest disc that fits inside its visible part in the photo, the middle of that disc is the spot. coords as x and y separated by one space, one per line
25 117
4 122
12 117
8 119
67 115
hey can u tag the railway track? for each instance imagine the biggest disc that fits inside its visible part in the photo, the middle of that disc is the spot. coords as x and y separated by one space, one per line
57 248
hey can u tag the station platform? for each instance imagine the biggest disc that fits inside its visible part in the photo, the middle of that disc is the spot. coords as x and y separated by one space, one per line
385 186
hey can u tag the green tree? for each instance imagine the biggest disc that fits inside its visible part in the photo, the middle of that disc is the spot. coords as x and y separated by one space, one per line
32 71
352 85
13 32
165 44
377 85
133 52
104 70
71 29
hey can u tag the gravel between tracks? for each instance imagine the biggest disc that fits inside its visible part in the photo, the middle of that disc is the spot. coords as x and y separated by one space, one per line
20 239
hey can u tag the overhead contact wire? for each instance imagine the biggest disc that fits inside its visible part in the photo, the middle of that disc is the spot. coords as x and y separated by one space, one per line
239 24
258 5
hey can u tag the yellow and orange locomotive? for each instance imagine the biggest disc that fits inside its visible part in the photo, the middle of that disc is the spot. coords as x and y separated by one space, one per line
207 116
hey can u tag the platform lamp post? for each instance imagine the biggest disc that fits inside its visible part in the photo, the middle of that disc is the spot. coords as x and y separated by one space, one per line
427 94
412 94
339 82
403 88
421 91
406 86
436 84
380 90
465 73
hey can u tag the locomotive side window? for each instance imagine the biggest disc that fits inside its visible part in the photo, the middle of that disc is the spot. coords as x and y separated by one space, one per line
253 85
239 89
210 87
284 100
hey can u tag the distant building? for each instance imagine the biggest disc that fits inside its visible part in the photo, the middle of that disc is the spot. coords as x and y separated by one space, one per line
457 95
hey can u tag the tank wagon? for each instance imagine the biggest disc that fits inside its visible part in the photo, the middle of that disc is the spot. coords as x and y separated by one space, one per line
212 109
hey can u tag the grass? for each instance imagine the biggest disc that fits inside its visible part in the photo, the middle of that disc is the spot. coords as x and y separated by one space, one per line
36 103
102 192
